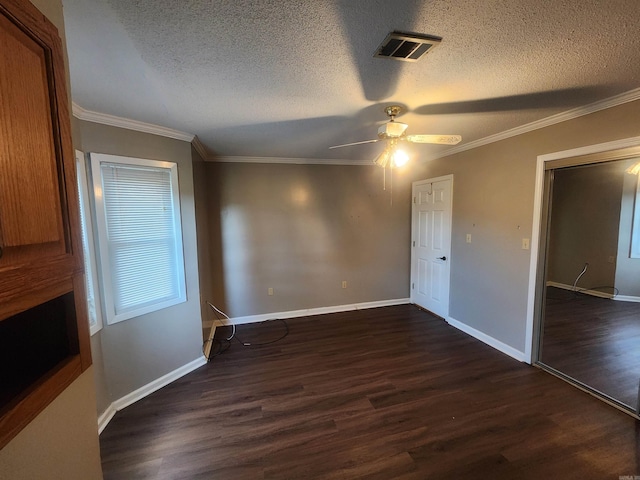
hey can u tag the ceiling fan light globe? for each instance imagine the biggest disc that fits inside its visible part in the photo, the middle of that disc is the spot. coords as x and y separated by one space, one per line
383 159
400 158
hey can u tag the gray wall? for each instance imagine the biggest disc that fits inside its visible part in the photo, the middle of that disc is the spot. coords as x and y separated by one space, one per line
201 197
493 200
302 230
584 225
62 441
627 269
135 352
59 444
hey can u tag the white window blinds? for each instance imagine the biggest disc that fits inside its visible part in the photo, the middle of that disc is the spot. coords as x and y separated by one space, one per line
138 213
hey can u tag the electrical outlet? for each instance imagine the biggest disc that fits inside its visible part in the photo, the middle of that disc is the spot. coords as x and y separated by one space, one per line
468 238
270 291
525 244
344 284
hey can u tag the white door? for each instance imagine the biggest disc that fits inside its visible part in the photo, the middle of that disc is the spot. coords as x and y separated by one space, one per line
431 244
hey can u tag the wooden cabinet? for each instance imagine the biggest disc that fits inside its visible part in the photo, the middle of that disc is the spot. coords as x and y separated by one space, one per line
44 342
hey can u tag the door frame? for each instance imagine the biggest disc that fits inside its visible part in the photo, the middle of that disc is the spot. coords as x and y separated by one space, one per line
413 204
538 242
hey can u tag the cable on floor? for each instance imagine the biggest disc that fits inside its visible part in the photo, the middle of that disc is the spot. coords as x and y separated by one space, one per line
577 290
222 346
225 343
584 291
286 332
597 289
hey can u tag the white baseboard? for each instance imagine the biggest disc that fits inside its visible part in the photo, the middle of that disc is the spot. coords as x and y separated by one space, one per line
105 418
627 298
317 311
595 293
489 340
207 324
140 393
147 389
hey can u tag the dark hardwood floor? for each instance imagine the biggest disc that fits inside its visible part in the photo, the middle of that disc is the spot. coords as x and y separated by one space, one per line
387 393
594 340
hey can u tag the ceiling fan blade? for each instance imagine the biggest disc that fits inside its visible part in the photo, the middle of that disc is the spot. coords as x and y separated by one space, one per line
443 139
356 143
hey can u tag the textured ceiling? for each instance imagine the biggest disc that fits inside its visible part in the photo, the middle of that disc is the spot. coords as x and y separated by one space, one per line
289 78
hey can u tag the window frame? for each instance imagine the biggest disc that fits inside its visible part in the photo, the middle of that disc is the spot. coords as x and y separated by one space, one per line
88 244
109 310
634 250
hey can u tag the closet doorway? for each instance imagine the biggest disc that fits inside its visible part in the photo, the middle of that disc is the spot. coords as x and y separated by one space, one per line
588 295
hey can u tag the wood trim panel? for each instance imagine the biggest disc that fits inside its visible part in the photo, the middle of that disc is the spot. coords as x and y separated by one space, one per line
23 410
42 265
82 321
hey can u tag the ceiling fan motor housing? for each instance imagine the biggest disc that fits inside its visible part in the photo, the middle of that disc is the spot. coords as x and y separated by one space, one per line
391 129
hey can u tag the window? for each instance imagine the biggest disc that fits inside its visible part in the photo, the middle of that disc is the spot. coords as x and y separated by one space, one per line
635 229
86 226
140 238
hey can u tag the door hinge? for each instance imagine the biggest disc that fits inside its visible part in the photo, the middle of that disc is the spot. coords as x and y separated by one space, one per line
413 286
414 243
414 200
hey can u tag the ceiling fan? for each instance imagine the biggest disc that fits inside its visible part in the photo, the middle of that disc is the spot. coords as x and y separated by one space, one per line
393 133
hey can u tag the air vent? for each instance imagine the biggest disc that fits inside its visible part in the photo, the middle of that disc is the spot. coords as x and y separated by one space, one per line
408 47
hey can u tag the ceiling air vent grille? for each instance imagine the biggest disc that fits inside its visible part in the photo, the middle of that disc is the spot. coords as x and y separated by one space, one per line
408 47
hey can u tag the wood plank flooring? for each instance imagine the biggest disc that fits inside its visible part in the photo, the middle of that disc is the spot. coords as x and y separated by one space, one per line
387 393
594 340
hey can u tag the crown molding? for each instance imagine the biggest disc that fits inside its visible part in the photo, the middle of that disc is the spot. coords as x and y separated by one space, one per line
121 122
610 102
290 161
113 121
200 148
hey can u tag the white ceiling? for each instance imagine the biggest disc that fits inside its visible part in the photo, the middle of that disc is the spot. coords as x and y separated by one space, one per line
289 78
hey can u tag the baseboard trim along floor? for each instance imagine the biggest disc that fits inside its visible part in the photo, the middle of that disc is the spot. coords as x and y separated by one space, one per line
489 340
106 416
148 389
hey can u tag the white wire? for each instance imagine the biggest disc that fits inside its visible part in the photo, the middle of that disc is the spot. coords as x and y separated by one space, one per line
233 325
575 284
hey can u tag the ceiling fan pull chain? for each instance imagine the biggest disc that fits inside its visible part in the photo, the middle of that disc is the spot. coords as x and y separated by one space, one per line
390 183
384 177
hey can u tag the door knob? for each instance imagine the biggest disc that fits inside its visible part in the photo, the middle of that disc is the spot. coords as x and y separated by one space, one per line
442 258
